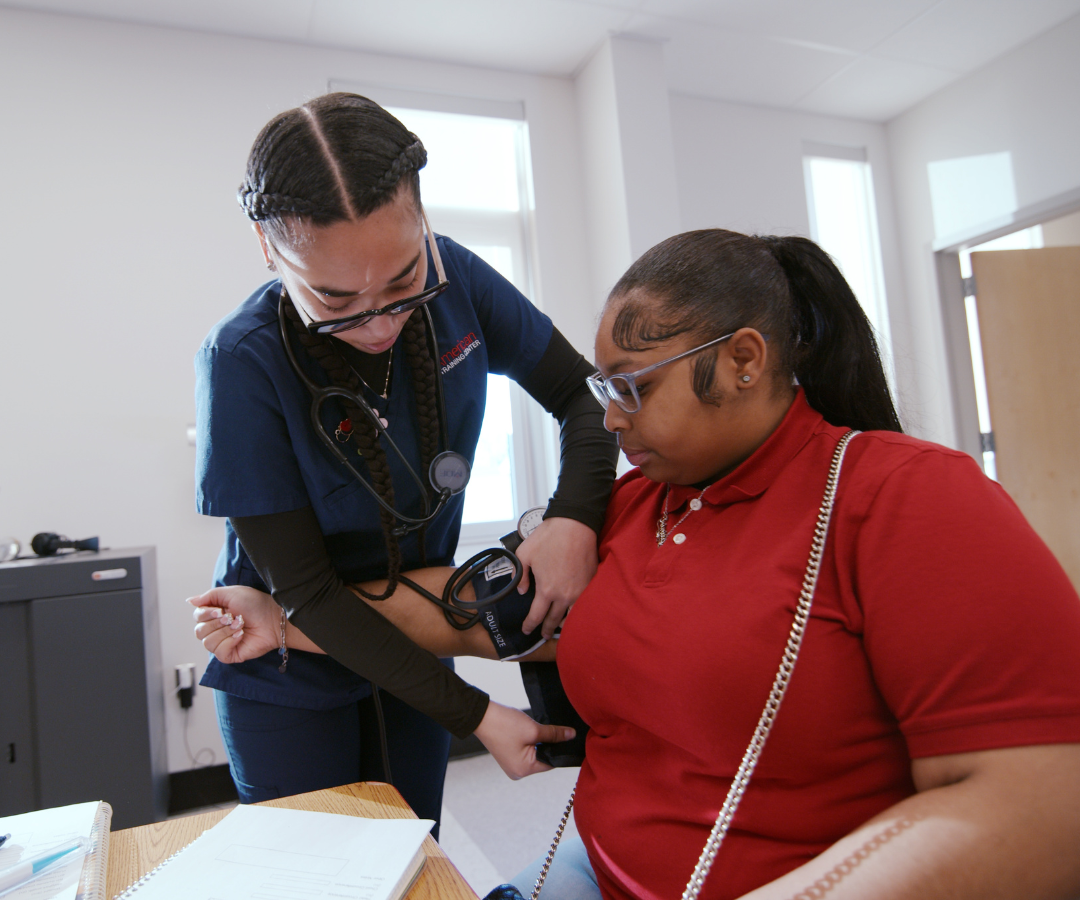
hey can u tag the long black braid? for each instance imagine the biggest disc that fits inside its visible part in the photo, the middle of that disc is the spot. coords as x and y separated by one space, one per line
415 344
339 158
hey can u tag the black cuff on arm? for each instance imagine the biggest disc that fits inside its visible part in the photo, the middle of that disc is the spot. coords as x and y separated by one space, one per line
588 450
288 551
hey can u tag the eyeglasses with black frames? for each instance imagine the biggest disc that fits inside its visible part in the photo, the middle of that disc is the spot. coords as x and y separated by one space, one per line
622 388
397 308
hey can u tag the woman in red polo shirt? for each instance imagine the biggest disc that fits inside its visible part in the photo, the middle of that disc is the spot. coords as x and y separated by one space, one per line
929 742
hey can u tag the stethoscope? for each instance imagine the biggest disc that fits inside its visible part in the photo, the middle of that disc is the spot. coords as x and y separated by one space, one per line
448 473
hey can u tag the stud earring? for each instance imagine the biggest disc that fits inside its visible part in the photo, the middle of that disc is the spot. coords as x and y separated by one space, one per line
745 378
270 265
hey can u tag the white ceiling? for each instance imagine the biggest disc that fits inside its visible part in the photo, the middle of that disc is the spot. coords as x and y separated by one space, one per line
866 59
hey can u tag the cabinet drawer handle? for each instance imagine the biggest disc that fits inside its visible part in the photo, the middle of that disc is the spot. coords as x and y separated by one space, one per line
108 574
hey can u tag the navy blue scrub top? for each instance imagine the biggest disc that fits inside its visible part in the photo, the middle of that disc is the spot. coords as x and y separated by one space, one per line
257 453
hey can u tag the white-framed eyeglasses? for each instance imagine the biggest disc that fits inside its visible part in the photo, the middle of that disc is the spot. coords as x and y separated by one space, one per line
622 388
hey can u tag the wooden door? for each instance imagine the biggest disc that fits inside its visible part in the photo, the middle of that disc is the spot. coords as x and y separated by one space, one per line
1029 322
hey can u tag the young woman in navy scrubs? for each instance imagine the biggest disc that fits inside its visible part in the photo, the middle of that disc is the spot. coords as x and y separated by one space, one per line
332 189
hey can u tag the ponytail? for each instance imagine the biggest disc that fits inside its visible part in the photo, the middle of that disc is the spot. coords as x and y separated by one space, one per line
712 282
836 357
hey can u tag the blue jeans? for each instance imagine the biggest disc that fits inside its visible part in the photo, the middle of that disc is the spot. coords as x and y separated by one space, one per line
569 878
277 751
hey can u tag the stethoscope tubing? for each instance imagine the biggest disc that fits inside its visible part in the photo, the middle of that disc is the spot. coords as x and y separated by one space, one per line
320 395
463 614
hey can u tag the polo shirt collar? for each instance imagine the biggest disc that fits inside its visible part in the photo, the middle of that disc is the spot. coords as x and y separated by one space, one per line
753 477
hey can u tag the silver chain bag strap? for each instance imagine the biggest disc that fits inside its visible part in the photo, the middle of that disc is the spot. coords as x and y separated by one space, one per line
772 705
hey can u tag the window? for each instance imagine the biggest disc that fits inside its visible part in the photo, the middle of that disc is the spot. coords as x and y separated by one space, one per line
843 221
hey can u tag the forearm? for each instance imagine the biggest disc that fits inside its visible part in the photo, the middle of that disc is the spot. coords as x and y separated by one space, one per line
422 621
1008 829
288 551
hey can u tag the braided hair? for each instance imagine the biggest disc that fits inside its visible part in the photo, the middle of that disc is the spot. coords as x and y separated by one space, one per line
711 282
338 158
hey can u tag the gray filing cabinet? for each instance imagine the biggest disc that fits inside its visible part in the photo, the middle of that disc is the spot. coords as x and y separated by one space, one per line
82 713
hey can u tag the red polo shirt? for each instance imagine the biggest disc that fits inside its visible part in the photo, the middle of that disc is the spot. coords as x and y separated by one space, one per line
941 624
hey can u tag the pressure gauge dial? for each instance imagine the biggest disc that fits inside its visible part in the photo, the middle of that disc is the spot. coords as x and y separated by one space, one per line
529 520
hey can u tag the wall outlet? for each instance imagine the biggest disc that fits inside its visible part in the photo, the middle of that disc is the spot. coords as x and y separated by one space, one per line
185 684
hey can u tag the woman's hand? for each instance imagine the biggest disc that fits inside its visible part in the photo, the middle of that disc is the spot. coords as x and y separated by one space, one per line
562 553
511 737
237 623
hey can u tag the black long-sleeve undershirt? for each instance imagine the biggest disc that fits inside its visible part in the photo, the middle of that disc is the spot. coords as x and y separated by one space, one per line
290 555
289 552
588 451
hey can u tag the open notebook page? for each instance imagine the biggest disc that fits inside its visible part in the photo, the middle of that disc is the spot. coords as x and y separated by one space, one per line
266 853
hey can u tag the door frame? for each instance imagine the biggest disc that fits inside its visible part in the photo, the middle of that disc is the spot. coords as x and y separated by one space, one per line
954 318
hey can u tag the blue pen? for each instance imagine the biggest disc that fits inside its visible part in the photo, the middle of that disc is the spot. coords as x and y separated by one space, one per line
43 863
3 837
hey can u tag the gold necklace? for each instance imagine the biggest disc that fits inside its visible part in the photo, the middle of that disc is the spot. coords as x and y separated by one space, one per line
386 381
661 523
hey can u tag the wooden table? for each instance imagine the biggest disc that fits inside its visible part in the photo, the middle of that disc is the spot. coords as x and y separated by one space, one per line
135 851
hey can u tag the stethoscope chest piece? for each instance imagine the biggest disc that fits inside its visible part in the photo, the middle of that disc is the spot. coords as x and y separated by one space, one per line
449 471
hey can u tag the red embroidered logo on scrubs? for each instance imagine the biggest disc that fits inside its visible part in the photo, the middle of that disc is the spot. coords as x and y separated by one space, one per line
458 352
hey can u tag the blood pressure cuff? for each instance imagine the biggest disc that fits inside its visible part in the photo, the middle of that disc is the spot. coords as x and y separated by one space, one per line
503 619
548 703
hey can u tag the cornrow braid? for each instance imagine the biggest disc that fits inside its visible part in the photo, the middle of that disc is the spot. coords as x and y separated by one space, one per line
260 206
410 160
341 374
422 367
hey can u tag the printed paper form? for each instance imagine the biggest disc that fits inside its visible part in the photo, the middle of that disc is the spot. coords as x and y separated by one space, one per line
265 853
36 831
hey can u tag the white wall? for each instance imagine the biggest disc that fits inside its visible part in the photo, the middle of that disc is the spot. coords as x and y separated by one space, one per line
741 167
121 244
1063 232
1025 104
627 155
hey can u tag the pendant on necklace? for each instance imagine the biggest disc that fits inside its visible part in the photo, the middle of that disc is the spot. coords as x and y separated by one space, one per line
661 525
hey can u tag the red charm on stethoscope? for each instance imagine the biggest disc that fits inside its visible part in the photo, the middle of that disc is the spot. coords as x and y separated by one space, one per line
343 431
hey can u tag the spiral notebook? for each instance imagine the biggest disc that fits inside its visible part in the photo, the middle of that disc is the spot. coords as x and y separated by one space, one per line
266 853
83 879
